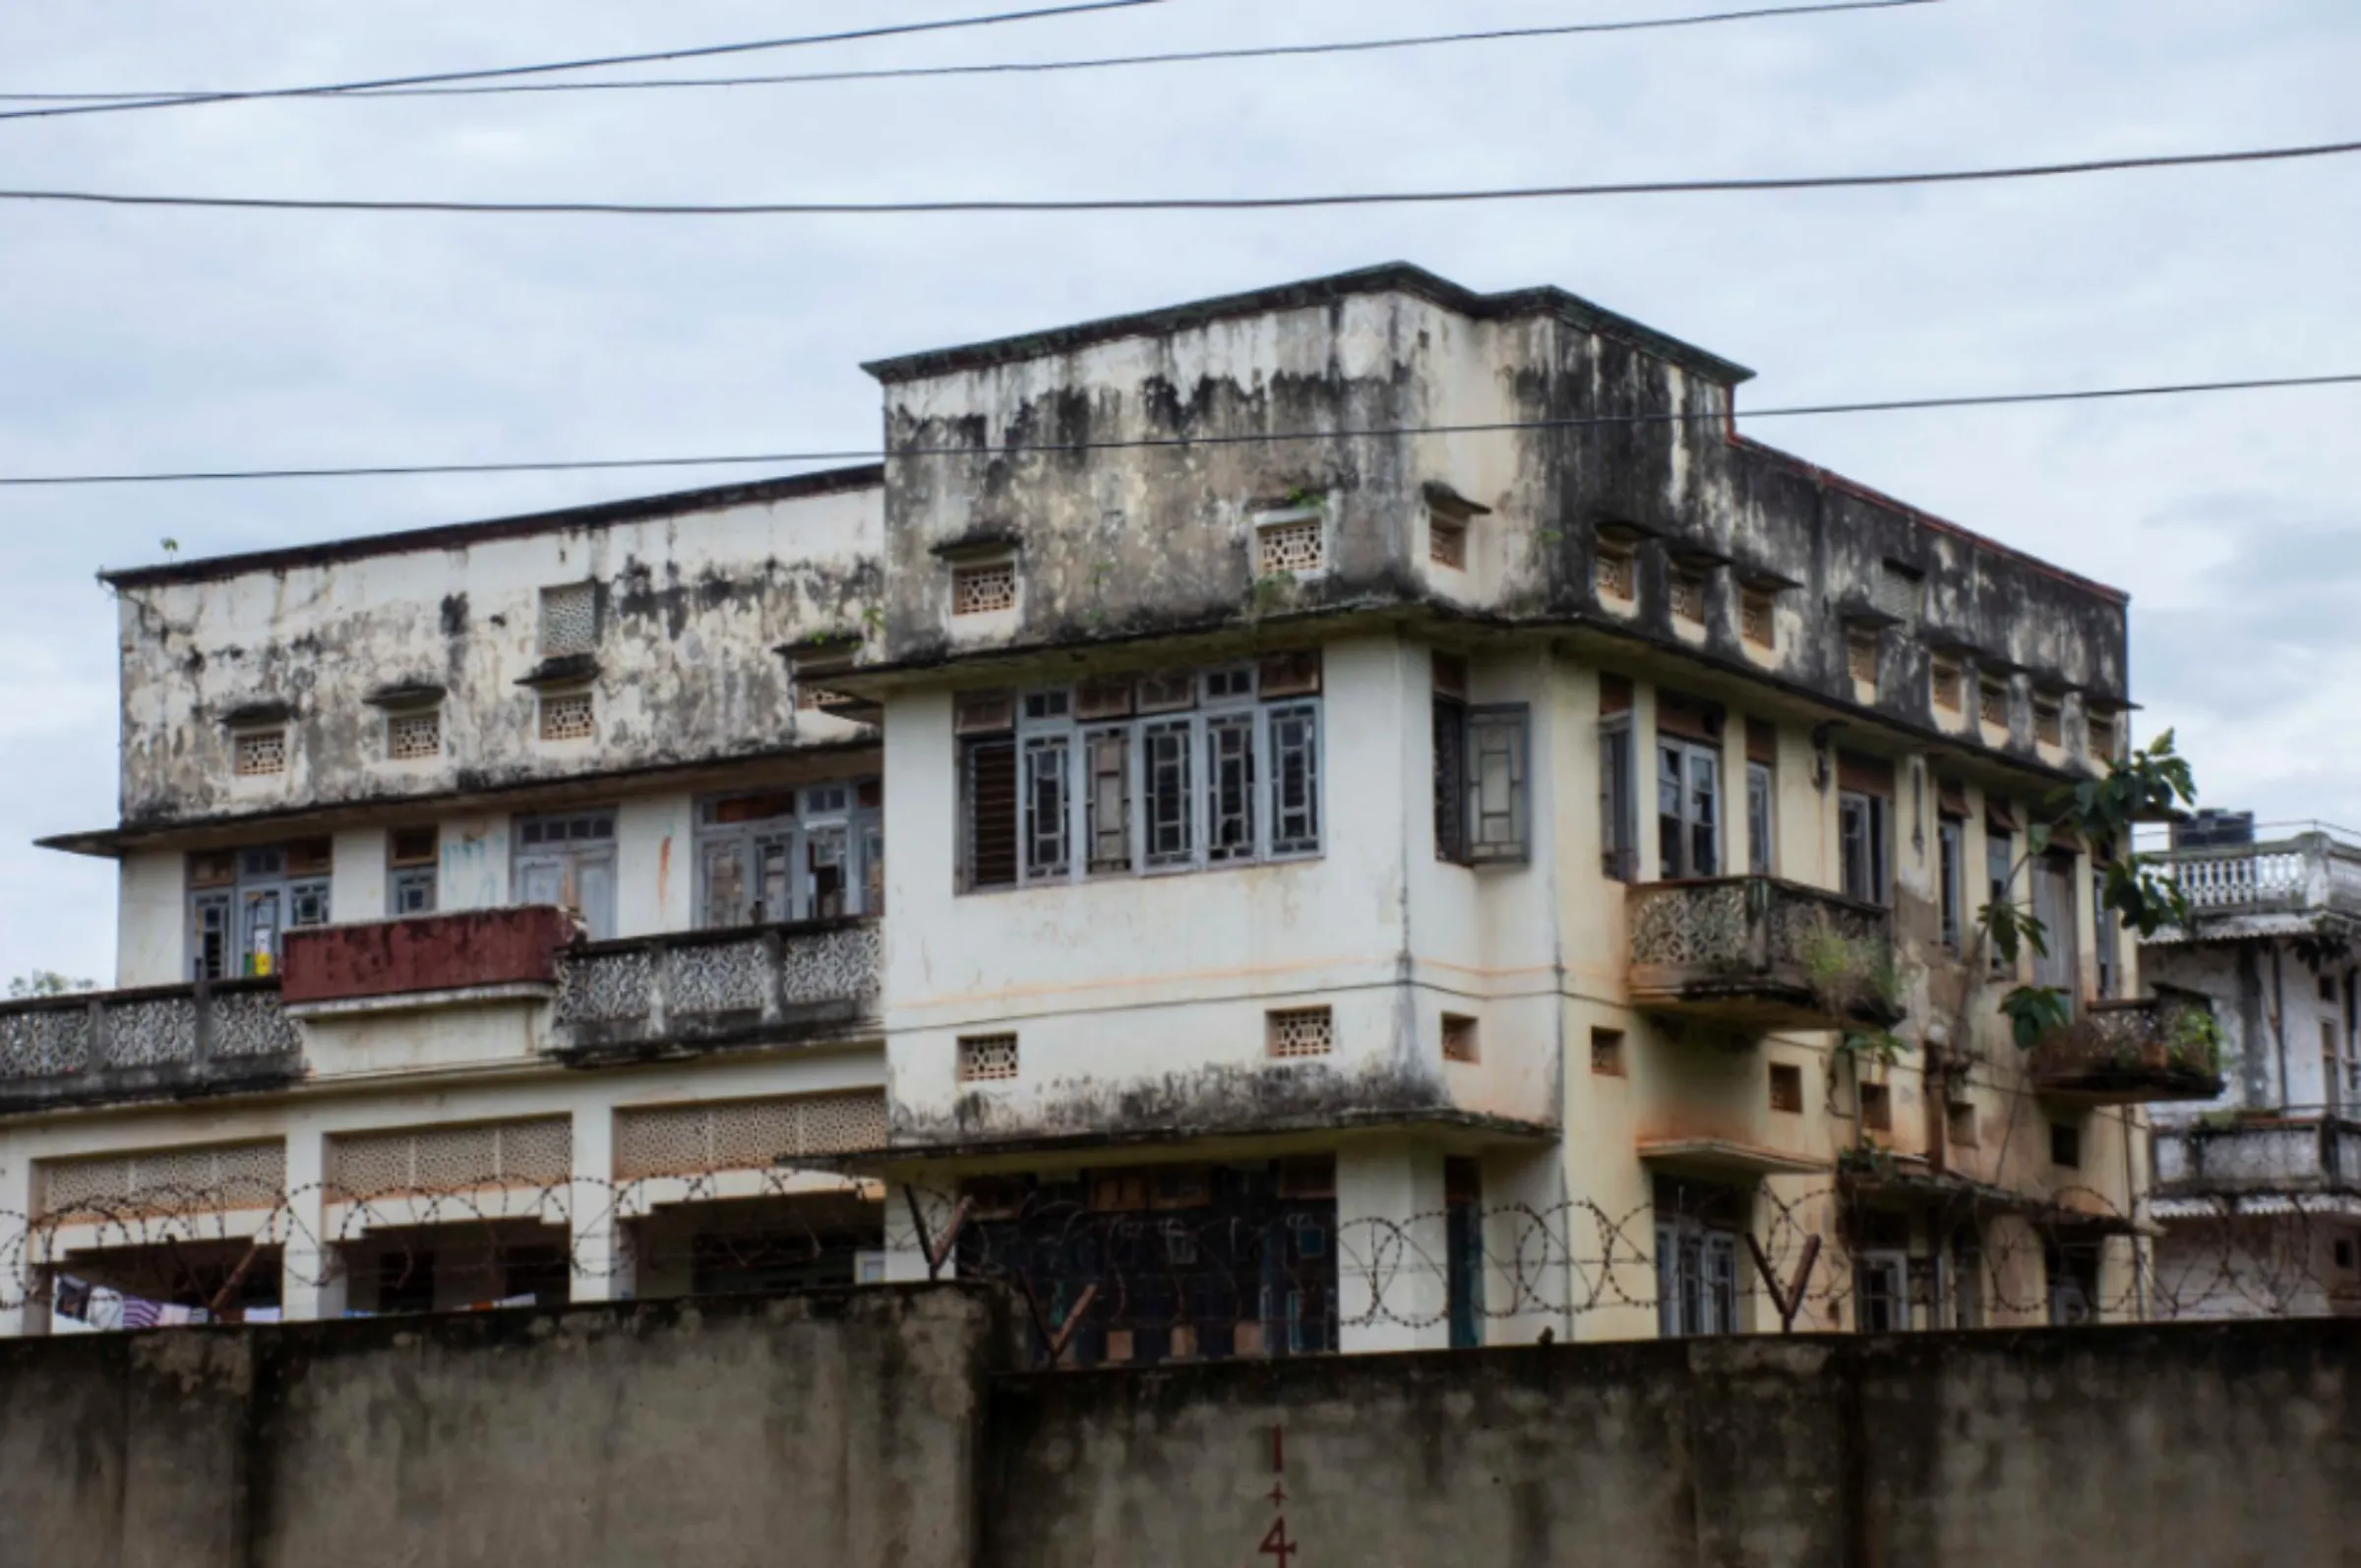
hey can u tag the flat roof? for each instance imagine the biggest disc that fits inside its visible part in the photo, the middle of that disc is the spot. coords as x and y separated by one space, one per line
1390 277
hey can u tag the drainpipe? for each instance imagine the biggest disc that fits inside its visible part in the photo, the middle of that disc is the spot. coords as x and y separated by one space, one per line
2279 1021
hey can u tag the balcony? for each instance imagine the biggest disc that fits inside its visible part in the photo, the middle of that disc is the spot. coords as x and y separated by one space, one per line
171 1042
462 959
2130 1053
802 984
1755 953
2274 887
2293 1153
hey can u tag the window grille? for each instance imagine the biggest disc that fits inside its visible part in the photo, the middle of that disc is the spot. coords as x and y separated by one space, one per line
811 678
414 737
1296 785
1944 684
1860 656
1688 594
1786 1088
112 1186
2049 724
261 753
1230 799
1689 788
1169 820
1900 592
569 620
1459 1038
1450 774
984 588
1758 622
1615 573
1290 546
748 1135
1046 854
1607 1053
1762 818
1446 542
1993 704
429 1159
2099 728
569 716
987 1058
1301 1031
1497 743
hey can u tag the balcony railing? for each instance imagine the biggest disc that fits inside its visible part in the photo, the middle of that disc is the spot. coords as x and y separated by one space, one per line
2156 1049
2301 875
460 957
759 984
1758 953
2294 1151
172 1041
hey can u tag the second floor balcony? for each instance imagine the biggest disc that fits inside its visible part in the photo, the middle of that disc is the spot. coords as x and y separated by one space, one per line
2296 1153
809 983
1757 953
2153 1049
2277 885
168 1041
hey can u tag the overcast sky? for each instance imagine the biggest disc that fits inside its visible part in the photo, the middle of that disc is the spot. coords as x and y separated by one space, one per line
134 339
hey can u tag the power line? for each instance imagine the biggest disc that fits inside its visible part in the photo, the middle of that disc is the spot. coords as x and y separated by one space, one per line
1031 67
702 51
1190 204
1247 438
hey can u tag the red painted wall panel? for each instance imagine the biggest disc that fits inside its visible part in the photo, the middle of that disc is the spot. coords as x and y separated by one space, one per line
427 952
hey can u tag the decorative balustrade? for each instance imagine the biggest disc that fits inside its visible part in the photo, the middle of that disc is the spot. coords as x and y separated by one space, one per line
750 986
97 1047
2294 1151
1755 953
2307 874
2158 1048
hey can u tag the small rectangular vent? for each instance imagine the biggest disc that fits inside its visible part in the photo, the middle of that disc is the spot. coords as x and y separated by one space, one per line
1301 1032
1446 542
567 717
1293 545
1459 1038
261 753
414 737
569 620
1993 704
1615 572
987 1058
1757 623
984 588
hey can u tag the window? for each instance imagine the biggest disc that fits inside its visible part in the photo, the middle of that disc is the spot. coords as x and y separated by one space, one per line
569 620
984 588
1169 772
1860 656
1481 789
987 1058
2000 866
1959 1124
1877 1108
2099 728
1687 586
1786 1088
1861 845
411 854
2109 937
1951 871
1945 684
790 854
2344 1255
1615 571
1450 774
1446 540
242 902
1900 592
1288 543
1688 811
1964 1269
1607 1053
2066 1145
569 860
1762 832
1698 1228
1618 811
1881 1288
568 716
1459 1038
416 735
1301 1032
1758 622
2049 722
1992 703
259 753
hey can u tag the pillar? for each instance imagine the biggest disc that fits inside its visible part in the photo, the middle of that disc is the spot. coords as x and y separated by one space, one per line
1393 1250
602 1258
312 1280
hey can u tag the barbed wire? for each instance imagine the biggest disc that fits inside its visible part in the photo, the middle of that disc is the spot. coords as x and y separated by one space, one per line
1284 1276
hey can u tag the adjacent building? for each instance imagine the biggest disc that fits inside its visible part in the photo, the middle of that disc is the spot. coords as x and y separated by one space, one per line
1406 829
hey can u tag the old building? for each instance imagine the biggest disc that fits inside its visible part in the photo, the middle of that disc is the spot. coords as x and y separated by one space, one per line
1406 829
2258 1190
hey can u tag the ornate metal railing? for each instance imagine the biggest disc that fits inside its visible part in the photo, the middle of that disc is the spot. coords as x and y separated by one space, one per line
93 1046
753 985
2299 1150
2307 873
2158 1048
1761 951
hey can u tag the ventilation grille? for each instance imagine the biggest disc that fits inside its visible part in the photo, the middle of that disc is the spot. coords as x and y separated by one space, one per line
2049 724
261 752
414 737
569 620
1946 680
570 718
1289 547
751 1135
513 1154
246 1175
1459 1038
1688 596
1860 657
984 589
1756 622
1614 574
1993 704
987 1058
1301 1032
1448 543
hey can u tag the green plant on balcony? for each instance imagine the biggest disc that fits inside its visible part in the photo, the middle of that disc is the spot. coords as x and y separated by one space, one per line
2193 1040
1854 976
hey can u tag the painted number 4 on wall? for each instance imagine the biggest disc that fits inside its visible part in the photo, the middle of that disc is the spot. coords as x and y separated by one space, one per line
1274 1541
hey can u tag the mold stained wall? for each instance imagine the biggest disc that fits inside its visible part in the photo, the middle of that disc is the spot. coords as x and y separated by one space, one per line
691 608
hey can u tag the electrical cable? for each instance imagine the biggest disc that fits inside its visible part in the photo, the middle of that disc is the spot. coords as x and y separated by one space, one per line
600 62
1034 67
1192 204
1244 438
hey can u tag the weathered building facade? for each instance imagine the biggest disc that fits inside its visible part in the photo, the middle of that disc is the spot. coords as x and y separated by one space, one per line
1404 828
